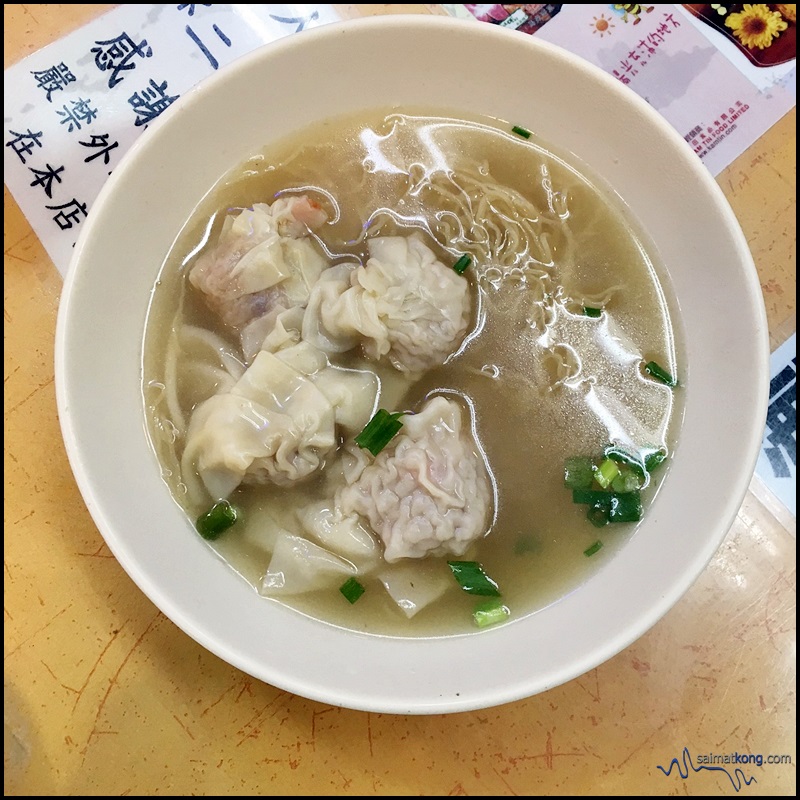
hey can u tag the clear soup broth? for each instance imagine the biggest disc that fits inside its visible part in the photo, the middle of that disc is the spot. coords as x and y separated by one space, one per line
567 303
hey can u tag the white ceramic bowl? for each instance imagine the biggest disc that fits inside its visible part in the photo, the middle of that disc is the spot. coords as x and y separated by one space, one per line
435 62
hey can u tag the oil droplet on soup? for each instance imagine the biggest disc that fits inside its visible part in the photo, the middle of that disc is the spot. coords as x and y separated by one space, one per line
533 355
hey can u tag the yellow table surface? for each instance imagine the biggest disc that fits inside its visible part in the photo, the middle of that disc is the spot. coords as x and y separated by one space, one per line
104 695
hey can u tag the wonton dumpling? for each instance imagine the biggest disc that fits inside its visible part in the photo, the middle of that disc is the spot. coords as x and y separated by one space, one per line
273 426
403 304
428 492
275 330
262 259
352 393
276 425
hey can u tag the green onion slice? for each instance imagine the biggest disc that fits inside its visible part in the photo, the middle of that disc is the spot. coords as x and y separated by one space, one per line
462 264
592 549
525 134
654 458
215 522
621 506
473 579
625 507
606 472
379 431
622 456
598 515
589 311
578 472
490 613
626 481
659 373
592 497
352 590
642 463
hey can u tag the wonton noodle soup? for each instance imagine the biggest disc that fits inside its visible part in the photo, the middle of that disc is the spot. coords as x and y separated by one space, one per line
314 286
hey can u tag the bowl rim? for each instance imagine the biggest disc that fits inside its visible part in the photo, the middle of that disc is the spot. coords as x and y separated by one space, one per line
354 694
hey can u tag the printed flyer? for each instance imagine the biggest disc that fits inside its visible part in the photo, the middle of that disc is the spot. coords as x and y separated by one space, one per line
721 75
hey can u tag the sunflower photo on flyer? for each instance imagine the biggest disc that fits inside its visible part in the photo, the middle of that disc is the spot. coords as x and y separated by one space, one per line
764 33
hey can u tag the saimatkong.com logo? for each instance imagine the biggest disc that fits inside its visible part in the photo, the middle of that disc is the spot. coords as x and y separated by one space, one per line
737 767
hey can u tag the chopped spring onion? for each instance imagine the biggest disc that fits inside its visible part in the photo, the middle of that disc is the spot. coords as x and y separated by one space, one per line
352 590
578 472
525 134
632 460
598 515
653 459
627 481
462 264
589 311
625 507
641 463
621 475
592 497
490 613
606 472
621 506
379 431
473 579
215 522
659 373
591 550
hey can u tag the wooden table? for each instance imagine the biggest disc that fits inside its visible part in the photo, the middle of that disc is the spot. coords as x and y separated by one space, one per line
104 695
